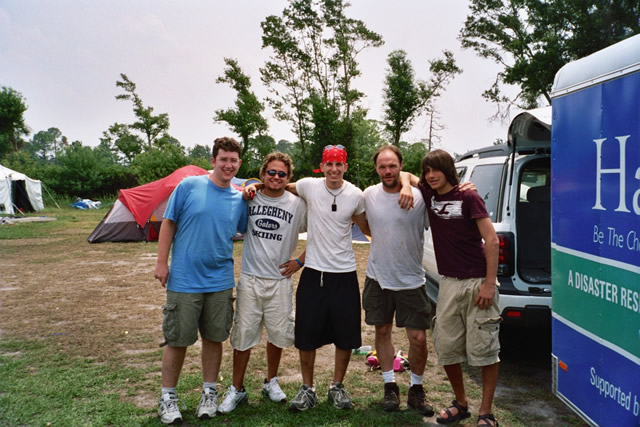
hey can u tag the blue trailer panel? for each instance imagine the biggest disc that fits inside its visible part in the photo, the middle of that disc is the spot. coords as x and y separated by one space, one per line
596 235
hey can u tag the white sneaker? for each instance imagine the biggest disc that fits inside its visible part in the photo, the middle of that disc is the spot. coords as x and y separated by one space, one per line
272 390
168 409
208 404
232 398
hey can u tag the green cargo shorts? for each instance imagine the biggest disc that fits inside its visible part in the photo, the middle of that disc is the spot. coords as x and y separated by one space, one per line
185 314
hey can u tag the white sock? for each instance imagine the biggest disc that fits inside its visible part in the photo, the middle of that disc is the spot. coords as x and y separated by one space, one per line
389 376
170 390
416 379
209 385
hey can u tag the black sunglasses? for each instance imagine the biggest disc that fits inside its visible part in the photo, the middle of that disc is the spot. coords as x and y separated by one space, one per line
280 174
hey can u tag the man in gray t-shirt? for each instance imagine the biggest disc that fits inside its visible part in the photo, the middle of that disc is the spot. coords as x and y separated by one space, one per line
264 294
395 278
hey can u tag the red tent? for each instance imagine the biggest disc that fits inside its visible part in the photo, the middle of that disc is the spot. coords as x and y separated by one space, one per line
137 214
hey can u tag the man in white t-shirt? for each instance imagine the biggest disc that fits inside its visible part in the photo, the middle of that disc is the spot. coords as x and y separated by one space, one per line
264 294
328 296
395 278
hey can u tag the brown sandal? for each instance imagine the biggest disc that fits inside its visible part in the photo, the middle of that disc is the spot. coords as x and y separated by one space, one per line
463 412
485 420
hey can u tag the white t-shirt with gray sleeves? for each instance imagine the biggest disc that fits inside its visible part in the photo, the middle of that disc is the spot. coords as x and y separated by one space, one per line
272 233
397 239
329 247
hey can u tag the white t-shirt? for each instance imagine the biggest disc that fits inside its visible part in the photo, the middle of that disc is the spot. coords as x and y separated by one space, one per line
272 233
329 245
397 239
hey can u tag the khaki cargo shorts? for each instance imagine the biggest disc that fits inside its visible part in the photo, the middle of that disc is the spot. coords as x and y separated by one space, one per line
262 303
185 314
463 332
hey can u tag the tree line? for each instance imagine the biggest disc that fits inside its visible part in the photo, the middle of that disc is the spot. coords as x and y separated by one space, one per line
314 47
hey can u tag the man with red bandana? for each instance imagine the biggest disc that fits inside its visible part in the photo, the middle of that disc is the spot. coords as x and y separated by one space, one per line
328 295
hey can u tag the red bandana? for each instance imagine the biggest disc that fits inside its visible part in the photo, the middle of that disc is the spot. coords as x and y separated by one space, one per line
333 153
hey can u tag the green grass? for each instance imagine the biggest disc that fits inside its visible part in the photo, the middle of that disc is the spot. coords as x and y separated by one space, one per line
67 218
39 386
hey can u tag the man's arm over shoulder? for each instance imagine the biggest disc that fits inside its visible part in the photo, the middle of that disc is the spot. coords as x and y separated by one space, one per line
408 180
361 221
291 188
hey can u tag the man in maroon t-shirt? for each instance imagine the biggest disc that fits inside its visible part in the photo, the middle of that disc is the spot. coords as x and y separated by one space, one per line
467 314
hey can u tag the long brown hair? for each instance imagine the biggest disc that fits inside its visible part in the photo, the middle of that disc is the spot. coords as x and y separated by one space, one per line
442 161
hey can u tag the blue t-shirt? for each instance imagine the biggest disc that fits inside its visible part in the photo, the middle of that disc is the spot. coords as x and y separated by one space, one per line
207 217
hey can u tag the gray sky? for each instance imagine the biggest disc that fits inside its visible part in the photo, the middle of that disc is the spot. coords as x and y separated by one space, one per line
65 56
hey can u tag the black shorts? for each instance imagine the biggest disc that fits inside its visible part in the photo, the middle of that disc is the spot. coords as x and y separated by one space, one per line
327 310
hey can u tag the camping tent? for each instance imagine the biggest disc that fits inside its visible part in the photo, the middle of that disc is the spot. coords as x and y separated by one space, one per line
18 192
137 214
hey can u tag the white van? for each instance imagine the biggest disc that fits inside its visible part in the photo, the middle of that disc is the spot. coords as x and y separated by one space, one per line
514 180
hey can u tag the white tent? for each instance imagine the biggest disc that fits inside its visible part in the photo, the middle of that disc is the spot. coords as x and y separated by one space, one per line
18 192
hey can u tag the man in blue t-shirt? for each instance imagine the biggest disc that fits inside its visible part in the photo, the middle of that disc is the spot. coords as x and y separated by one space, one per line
202 216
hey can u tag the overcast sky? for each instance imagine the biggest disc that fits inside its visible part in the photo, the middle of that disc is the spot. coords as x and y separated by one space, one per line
65 56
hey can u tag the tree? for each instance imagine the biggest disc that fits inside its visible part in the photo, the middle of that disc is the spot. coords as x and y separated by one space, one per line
533 39
367 137
12 125
45 144
200 152
435 126
152 126
40 145
57 140
407 98
152 165
246 119
311 72
121 141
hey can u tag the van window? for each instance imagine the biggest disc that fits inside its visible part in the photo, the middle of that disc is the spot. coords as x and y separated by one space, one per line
461 170
536 173
487 180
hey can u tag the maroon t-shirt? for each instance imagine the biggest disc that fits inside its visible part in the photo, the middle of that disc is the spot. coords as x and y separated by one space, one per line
457 241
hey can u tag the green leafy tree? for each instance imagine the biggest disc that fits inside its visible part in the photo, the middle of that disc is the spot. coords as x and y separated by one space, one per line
532 39
86 172
259 147
121 141
367 137
412 156
285 146
407 98
200 155
12 125
45 144
150 125
40 145
152 165
57 140
200 152
311 72
246 118
25 162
